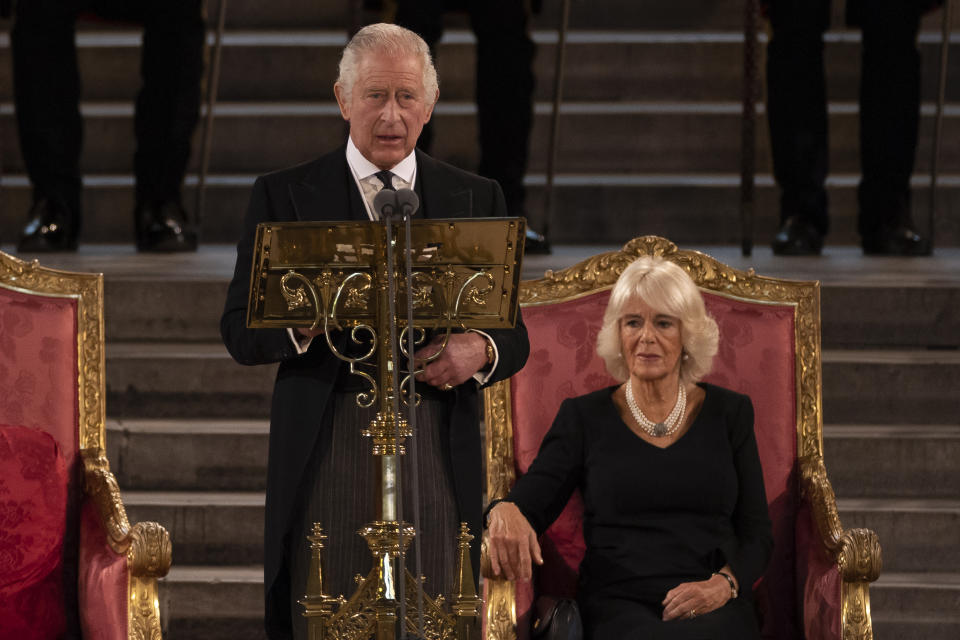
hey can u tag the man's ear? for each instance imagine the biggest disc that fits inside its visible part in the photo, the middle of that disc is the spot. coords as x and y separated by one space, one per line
341 101
433 104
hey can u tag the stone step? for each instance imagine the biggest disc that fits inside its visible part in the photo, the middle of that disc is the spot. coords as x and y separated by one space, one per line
179 298
690 209
864 461
915 534
219 528
893 461
202 381
853 315
184 380
891 387
188 454
226 527
916 606
600 65
211 602
859 314
600 137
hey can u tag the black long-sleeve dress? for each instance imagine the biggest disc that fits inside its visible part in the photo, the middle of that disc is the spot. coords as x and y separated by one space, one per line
655 518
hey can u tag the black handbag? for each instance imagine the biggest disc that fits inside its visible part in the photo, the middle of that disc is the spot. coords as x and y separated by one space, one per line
557 619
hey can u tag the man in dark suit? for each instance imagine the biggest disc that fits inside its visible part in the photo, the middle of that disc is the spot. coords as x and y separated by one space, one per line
386 91
889 119
47 93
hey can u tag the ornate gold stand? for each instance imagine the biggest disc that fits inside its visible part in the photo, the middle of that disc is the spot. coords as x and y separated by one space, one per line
345 276
372 610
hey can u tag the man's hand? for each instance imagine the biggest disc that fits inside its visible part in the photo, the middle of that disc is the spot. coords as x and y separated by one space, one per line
511 542
691 599
466 353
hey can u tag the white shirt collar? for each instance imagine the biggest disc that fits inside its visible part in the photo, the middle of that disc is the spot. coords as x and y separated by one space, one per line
363 168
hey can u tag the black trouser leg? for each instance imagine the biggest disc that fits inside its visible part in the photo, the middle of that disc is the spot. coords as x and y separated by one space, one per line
889 113
797 108
504 84
425 18
504 94
168 105
46 96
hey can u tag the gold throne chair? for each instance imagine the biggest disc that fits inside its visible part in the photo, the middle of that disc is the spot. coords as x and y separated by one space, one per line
70 562
817 583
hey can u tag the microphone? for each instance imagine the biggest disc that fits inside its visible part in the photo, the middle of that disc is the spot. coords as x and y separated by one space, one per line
408 201
385 204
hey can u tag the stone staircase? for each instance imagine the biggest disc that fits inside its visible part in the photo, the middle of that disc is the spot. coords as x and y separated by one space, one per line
649 136
649 131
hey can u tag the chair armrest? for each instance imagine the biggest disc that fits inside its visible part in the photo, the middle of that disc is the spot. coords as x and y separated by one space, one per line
142 552
855 553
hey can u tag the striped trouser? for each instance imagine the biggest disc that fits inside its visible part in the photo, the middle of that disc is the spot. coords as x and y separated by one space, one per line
341 498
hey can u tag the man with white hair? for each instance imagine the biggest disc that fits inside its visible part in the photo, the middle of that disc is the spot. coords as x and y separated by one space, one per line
319 466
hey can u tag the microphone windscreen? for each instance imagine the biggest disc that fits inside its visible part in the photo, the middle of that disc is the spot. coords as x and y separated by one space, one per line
385 204
407 201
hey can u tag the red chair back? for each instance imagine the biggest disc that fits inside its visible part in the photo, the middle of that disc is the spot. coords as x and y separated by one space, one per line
38 368
38 379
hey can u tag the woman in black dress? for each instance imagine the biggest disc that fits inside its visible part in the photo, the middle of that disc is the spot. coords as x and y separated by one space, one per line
675 512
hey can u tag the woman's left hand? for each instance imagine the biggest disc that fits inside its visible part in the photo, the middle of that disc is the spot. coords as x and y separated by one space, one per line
692 599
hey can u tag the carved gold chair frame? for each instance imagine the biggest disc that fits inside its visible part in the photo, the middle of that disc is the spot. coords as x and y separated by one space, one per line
855 551
146 545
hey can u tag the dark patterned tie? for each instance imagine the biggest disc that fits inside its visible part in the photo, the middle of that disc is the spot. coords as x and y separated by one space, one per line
386 178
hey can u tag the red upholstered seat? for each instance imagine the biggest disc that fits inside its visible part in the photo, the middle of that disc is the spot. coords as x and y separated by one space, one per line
70 563
769 350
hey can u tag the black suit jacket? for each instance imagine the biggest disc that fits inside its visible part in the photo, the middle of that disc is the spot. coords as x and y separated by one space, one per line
324 189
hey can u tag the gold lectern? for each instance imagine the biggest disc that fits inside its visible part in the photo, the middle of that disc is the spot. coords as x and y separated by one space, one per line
459 274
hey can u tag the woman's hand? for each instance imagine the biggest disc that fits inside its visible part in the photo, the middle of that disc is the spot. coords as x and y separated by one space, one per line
511 542
692 599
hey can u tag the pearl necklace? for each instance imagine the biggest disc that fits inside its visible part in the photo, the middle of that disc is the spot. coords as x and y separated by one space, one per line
658 429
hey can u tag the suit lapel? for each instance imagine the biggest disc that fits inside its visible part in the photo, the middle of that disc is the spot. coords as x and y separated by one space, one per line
328 191
440 199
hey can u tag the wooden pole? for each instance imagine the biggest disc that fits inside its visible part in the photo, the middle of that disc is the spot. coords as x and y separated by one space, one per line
555 117
938 121
748 134
213 82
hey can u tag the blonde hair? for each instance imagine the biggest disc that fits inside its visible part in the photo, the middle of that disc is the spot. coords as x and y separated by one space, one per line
393 41
667 288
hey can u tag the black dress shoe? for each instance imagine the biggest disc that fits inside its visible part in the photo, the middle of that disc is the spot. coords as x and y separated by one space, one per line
895 241
797 237
51 227
162 228
535 243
